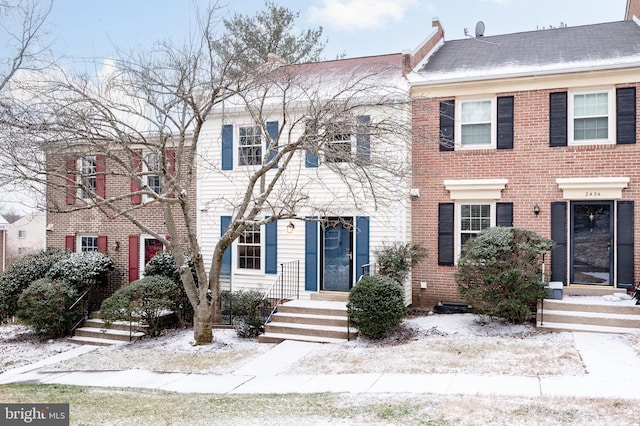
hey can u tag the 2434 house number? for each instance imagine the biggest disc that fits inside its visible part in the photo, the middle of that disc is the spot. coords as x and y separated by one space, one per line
592 193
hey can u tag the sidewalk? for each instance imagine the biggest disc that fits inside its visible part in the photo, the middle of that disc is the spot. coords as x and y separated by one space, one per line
609 362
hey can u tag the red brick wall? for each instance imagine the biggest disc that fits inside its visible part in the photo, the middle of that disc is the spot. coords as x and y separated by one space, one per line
531 169
94 221
633 9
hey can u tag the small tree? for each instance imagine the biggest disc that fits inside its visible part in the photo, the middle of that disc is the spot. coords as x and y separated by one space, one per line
397 259
499 272
376 306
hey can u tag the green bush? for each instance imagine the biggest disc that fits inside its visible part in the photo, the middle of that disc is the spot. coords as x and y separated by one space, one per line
245 309
397 259
147 299
376 306
499 272
43 307
81 269
20 274
163 264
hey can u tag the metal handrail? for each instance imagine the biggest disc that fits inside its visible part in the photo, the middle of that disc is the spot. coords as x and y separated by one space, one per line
85 309
285 286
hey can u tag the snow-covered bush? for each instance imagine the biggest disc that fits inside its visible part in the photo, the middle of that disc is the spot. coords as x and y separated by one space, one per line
245 309
80 270
164 264
376 306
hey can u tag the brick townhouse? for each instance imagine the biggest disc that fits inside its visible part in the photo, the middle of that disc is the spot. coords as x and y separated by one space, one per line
77 220
536 130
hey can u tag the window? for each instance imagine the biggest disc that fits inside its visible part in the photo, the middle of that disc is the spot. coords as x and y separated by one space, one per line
475 123
153 180
591 116
88 243
88 180
22 233
250 146
249 248
339 144
473 219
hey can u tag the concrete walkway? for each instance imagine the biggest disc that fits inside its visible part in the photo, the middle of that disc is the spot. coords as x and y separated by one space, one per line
610 364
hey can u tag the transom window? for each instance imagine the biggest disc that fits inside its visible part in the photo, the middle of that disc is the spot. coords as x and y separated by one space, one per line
88 180
89 243
249 248
153 180
475 123
473 219
250 146
591 112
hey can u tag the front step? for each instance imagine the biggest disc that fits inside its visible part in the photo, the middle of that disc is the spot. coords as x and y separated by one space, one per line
309 321
588 314
96 332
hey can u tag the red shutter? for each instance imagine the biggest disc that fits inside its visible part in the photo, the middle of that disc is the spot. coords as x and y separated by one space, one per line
70 243
136 158
100 176
134 258
171 158
102 243
70 182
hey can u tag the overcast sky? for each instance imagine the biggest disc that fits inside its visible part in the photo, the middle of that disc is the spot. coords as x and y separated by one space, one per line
355 27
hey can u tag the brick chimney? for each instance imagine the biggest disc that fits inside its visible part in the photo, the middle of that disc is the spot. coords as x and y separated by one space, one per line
411 60
633 9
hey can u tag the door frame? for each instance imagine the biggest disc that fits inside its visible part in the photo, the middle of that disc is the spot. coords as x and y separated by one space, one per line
612 240
351 225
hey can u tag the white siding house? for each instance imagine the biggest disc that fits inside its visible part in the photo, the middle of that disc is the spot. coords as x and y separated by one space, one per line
340 196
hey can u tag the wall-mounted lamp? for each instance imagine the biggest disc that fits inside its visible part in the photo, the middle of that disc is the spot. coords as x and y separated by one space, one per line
116 246
290 227
536 209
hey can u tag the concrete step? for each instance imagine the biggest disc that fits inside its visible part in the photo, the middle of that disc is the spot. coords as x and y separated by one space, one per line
300 318
114 325
279 337
94 341
555 326
590 318
316 307
119 335
333 296
307 330
587 305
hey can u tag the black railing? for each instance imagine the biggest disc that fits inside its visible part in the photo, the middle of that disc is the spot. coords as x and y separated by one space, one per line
80 310
285 287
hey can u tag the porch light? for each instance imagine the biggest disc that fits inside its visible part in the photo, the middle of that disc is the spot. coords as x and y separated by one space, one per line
536 209
290 227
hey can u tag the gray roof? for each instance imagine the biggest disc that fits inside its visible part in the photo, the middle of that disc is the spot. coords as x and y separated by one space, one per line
605 45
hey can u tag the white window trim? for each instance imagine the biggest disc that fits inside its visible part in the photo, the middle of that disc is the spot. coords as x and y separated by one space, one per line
458 221
145 169
80 172
237 145
235 269
458 123
611 123
79 241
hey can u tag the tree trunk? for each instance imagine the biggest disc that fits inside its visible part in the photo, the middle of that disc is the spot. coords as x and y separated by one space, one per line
202 324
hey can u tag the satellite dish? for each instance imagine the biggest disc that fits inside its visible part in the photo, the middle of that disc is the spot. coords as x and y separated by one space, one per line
479 29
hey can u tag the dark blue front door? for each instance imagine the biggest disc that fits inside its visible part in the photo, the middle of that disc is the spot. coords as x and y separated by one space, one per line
337 255
591 243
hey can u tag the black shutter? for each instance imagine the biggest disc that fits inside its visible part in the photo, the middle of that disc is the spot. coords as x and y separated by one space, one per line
504 214
558 119
559 236
447 123
626 115
445 233
505 122
625 244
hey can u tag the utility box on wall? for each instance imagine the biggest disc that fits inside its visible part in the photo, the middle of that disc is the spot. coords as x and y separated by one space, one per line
554 290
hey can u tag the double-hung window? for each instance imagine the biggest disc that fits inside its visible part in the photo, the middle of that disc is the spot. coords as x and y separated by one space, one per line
22 233
88 243
249 248
153 180
88 176
339 143
592 116
476 117
474 218
250 146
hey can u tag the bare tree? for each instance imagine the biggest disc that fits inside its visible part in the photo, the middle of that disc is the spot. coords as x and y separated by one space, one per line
163 101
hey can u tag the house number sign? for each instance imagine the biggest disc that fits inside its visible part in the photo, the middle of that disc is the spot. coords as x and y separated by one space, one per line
589 194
